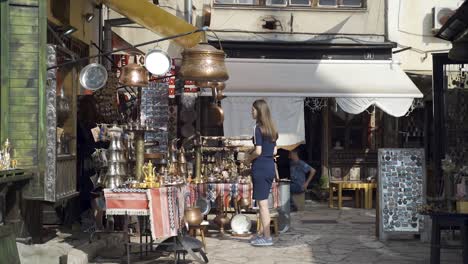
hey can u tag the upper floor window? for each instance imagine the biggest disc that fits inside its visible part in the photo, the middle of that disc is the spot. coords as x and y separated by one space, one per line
280 3
340 3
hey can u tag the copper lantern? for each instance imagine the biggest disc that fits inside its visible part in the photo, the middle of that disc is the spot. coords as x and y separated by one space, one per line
133 75
203 63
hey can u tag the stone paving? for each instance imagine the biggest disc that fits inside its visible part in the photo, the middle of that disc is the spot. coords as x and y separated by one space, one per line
320 236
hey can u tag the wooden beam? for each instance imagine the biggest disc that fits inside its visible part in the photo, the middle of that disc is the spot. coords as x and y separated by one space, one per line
4 79
156 19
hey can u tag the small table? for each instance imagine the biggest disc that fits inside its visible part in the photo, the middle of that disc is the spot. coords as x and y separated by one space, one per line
443 221
356 186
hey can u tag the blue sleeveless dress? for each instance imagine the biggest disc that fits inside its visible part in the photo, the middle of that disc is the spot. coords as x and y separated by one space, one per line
263 167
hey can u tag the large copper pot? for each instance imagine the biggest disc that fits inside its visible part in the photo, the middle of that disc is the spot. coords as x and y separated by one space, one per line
134 75
203 63
193 216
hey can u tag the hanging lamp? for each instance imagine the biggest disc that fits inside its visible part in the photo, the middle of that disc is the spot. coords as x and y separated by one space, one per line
158 62
133 75
203 63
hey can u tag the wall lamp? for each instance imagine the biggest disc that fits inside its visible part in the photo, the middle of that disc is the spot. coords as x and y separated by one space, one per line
88 17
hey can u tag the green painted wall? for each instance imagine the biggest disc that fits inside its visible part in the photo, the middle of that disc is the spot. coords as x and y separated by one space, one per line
23 67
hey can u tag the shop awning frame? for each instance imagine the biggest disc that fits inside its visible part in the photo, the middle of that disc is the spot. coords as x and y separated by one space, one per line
318 78
156 19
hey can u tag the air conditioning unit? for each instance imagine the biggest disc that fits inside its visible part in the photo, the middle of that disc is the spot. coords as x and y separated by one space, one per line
440 15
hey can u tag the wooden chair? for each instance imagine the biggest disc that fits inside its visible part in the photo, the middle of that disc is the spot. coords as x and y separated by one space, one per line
199 230
273 222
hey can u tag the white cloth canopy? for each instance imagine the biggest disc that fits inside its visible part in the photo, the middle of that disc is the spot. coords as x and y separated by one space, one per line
287 113
356 84
394 106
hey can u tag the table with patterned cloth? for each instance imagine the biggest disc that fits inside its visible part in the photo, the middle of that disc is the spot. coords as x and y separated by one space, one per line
212 190
165 207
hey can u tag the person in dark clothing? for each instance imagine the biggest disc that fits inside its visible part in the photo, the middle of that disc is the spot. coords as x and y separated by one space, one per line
263 166
301 174
87 118
283 164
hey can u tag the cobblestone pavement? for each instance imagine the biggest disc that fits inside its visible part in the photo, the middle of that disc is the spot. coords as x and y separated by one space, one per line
322 235
319 235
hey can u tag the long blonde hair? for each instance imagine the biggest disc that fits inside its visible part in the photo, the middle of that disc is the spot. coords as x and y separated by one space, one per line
264 120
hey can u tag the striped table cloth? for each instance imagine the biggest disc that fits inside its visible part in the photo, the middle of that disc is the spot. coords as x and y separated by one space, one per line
212 190
164 206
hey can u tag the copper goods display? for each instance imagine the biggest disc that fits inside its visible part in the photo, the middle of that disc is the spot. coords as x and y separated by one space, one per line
244 202
222 161
193 216
93 77
203 63
151 180
221 218
134 75
216 113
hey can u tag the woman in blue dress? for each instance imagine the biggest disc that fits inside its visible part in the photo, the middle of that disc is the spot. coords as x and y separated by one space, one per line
263 166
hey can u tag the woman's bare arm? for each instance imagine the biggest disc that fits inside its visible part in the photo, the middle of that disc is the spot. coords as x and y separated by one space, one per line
254 153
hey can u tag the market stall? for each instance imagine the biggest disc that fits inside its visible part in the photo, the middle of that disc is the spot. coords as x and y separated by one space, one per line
152 164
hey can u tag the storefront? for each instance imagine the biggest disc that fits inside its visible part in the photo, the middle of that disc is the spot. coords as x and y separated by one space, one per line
325 103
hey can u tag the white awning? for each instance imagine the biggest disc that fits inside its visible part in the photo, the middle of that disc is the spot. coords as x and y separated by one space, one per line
382 83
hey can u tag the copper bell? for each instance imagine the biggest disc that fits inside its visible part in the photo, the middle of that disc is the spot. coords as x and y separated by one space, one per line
203 63
133 75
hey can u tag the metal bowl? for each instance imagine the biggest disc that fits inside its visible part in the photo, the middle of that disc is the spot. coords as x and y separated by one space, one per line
93 77
240 224
204 205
